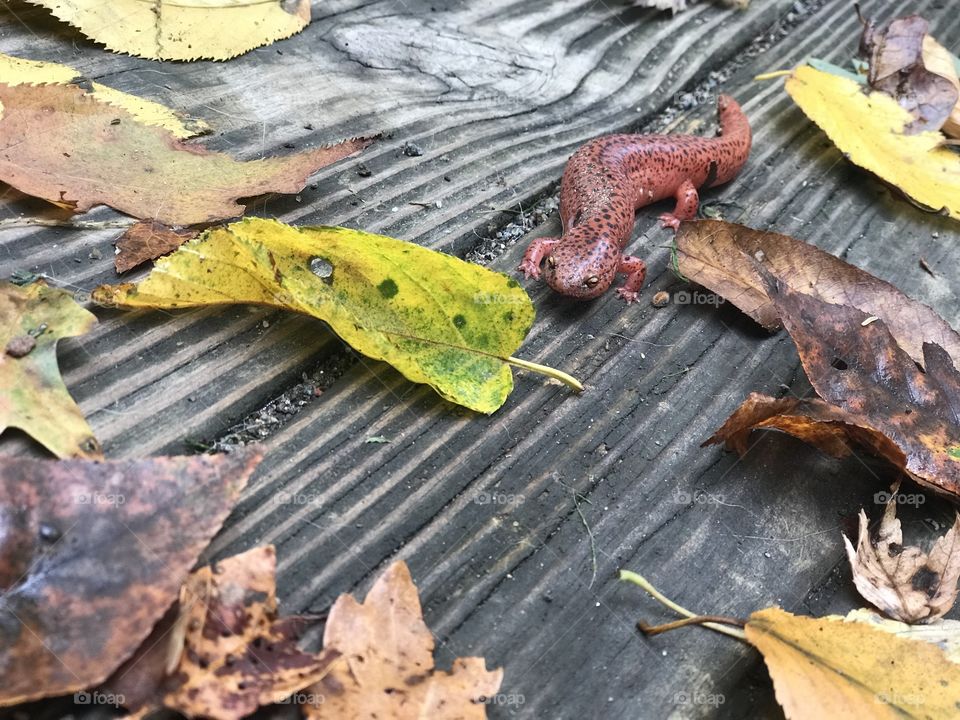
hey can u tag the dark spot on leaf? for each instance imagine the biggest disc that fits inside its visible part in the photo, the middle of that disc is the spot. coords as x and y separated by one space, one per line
459 320
48 533
839 364
388 288
926 580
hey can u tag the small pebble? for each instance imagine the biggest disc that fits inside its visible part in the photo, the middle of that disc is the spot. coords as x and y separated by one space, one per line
364 171
95 254
661 299
412 150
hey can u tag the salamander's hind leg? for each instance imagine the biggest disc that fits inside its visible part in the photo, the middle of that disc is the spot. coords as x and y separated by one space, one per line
687 203
636 271
534 256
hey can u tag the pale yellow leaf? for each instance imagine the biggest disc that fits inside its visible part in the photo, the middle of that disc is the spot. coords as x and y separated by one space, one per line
183 29
868 128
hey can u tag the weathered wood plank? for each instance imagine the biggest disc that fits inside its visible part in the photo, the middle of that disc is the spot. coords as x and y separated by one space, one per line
495 141
484 509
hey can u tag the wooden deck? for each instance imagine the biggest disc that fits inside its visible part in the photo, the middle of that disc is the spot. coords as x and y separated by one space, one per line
501 517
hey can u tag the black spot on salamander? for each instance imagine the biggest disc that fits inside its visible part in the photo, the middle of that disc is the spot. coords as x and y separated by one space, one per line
711 174
388 288
459 320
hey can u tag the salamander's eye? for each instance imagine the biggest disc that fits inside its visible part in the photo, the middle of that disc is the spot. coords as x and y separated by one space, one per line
592 281
552 261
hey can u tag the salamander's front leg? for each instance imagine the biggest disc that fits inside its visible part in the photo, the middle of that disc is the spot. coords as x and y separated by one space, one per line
687 203
636 271
534 256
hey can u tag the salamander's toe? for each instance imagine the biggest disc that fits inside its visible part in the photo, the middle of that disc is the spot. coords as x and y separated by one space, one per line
530 270
669 220
629 295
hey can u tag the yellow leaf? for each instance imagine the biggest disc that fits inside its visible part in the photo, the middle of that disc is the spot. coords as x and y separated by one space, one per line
18 71
183 29
437 319
33 397
868 128
829 668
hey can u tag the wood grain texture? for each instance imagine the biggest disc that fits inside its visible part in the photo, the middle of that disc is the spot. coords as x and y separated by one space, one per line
492 513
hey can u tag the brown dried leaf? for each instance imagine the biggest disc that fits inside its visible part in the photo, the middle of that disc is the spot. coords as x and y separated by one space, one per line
60 143
870 387
904 582
896 67
224 652
93 553
725 258
147 240
389 671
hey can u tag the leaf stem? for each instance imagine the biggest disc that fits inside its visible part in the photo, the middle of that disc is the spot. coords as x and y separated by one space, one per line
708 622
567 380
695 620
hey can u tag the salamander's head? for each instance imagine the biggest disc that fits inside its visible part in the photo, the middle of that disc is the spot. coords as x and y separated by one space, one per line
582 270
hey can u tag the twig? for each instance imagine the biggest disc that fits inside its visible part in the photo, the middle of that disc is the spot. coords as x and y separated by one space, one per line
636 579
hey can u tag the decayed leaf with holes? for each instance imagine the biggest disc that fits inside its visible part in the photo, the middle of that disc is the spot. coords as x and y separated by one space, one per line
870 129
830 668
224 651
62 144
435 318
19 71
904 582
93 553
729 259
176 30
146 241
387 668
896 66
944 63
33 396
872 393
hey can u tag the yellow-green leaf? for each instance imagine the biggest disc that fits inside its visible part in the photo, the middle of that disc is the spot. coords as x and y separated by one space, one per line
19 71
437 319
33 397
869 129
178 30
829 668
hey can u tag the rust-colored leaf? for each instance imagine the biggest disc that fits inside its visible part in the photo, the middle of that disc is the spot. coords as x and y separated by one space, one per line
904 582
872 392
223 652
60 143
387 671
92 554
148 240
727 258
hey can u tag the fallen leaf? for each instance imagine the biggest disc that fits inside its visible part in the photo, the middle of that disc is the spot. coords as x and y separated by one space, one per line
872 393
870 130
33 396
726 258
896 67
93 553
435 318
829 668
19 71
172 30
944 63
387 669
60 143
945 634
147 240
224 652
904 582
